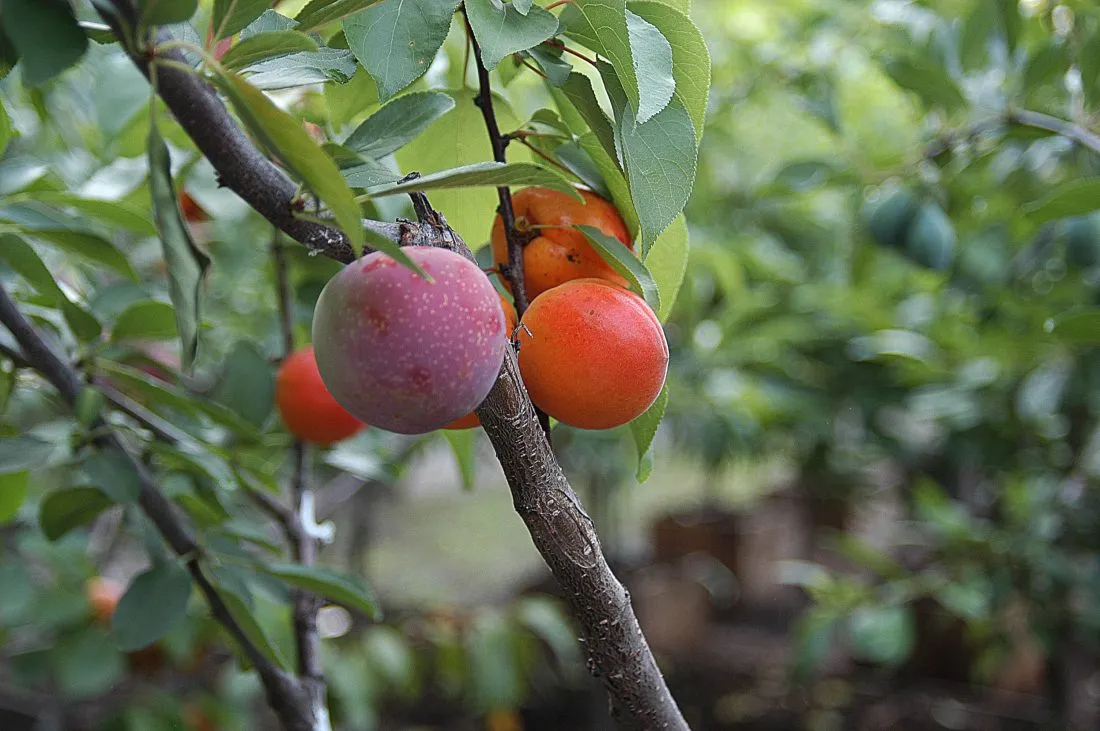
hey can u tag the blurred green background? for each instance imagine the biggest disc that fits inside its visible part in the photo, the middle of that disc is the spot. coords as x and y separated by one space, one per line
873 501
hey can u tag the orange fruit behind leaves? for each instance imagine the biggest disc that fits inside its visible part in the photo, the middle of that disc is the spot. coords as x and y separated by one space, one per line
103 595
191 210
307 408
592 355
503 721
559 254
470 420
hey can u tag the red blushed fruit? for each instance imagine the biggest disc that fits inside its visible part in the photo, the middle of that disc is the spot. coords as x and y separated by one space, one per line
307 408
191 210
470 420
408 354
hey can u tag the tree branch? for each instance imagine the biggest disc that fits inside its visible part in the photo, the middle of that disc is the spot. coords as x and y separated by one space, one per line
284 693
499 142
1070 131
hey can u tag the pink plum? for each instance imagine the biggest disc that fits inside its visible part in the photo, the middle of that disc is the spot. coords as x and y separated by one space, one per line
404 353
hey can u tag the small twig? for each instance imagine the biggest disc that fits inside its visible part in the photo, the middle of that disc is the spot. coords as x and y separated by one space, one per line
1037 120
544 156
570 51
499 144
538 71
557 3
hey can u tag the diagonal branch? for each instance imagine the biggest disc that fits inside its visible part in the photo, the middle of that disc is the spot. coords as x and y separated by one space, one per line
284 693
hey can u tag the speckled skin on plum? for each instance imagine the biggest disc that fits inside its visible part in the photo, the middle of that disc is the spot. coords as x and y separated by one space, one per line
405 354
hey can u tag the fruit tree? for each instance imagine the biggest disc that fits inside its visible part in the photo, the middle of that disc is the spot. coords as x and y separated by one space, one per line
376 145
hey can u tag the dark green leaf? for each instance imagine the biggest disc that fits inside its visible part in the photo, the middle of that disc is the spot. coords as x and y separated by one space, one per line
1074 198
623 261
251 628
8 55
324 65
557 70
485 174
501 30
690 57
321 12
659 158
644 428
463 445
13 491
577 94
88 663
263 46
24 261
186 262
930 81
1049 62
115 213
146 320
154 603
45 34
602 26
268 21
6 130
89 405
162 12
63 510
581 164
344 590
667 262
247 384
1009 15
614 179
24 452
523 6
87 245
112 474
231 16
396 40
398 123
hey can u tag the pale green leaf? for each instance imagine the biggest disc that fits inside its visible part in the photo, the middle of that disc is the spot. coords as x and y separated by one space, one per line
1074 198
623 261
501 29
146 320
231 16
398 123
667 262
484 175
45 35
321 12
155 601
261 47
644 428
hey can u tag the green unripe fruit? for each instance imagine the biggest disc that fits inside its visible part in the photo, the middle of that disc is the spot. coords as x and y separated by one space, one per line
931 240
889 219
1081 236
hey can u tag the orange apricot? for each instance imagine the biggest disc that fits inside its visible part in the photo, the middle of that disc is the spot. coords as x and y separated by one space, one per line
103 595
592 354
305 404
470 420
560 253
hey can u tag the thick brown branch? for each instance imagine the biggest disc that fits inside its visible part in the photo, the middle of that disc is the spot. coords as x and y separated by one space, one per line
284 693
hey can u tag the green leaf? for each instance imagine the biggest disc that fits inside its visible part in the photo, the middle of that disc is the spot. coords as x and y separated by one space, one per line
623 261
1079 327
1010 21
45 34
667 262
462 446
644 428
6 130
344 590
8 55
264 46
930 81
87 245
112 474
580 163
484 174
63 510
24 261
146 319
285 138
882 635
231 16
163 12
501 29
602 26
89 405
248 624
187 264
659 158
152 605
652 55
690 57
247 384
614 179
301 69
88 663
115 213
557 70
322 12
398 123
523 6
269 21
1074 198
577 94
13 491
369 174
345 101
457 139
396 40
22 453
